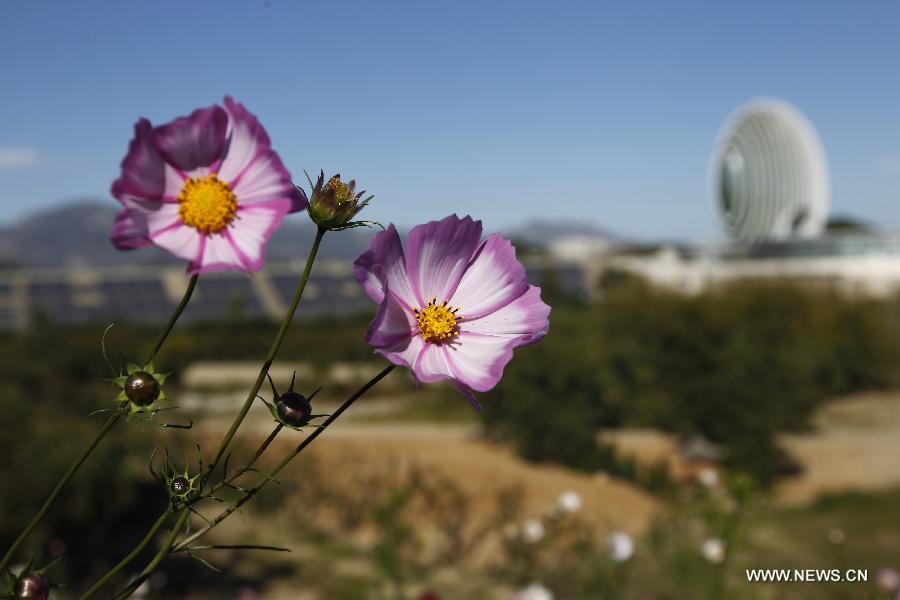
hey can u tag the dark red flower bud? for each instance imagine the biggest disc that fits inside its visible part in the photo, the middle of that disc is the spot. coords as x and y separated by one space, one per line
142 388
33 587
294 409
180 485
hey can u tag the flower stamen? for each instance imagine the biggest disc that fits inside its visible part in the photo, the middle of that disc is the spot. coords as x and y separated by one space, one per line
207 204
437 322
342 191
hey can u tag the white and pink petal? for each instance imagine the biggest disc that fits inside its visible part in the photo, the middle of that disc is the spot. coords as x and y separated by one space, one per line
246 140
143 168
180 240
404 352
393 323
383 265
478 360
197 140
136 224
437 254
527 318
265 179
493 279
217 253
250 232
129 233
432 364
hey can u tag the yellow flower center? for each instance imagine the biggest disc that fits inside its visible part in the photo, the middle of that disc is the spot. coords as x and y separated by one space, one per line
341 189
207 204
437 322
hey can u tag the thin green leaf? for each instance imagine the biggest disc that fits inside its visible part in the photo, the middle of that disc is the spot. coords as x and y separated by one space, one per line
264 474
103 350
204 562
238 547
223 501
46 567
199 514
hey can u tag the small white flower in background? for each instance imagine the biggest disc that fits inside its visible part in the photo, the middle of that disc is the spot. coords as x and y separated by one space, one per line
708 477
569 502
621 546
887 580
836 536
713 550
532 531
535 591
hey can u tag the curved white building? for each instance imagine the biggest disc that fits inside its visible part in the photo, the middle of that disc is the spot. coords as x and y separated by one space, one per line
769 174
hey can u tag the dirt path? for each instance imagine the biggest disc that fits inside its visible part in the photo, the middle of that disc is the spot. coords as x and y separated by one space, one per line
855 445
481 469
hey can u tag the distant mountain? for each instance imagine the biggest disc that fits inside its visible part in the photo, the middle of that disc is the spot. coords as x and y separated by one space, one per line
848 224
77 233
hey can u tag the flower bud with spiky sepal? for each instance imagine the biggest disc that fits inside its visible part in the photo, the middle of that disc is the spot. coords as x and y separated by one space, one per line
33 586
334 203
182 487
292 409
31 583
142 388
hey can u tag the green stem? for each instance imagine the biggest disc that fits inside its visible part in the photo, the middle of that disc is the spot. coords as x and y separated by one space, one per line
131 555
58 489
173 319
262 448
273 352
729 536
226 441
100 435
163 551
170 542
170 547
284 462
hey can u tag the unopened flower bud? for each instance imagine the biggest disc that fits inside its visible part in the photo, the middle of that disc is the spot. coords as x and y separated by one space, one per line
180 485
294 408
33 587
334 203
142 388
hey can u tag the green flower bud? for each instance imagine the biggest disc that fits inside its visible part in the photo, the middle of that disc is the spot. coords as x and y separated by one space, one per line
334 203
182 488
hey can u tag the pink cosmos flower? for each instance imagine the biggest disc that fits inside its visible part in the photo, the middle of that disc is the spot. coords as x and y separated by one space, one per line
207 188
452 307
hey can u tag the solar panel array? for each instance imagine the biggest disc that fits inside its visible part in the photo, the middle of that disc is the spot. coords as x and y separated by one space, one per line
149 294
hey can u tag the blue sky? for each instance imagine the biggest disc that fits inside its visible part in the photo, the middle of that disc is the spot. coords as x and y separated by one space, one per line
601 112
